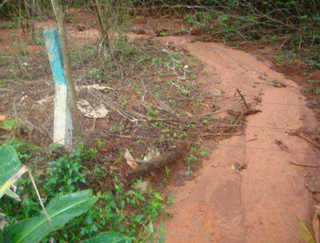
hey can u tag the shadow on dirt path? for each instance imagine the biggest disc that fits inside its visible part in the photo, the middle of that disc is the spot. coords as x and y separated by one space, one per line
265 201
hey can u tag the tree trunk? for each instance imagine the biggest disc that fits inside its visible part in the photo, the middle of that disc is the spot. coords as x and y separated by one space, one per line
33 14
28 17
66 66
104 29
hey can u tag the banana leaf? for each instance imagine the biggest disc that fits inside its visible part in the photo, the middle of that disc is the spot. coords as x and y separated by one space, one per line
60 210
9 163
10 170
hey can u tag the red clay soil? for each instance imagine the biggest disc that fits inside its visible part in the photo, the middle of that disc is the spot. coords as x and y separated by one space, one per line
265 201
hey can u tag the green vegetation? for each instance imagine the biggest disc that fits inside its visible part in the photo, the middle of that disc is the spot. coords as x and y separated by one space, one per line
61 209
291 26
130 212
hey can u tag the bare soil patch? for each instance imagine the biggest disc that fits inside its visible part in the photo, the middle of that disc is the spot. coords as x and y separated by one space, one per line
267 197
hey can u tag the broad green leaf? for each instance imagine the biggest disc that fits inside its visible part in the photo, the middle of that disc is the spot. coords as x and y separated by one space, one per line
9 163
10 170
60 210
108 237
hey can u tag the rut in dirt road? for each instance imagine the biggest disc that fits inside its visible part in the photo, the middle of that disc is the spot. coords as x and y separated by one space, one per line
265 201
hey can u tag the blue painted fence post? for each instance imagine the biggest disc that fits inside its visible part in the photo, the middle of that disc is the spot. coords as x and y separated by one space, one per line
62 132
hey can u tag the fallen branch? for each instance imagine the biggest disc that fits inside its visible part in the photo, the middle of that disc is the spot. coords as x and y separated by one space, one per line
236 104
5 129
317 146
3 3
251 112
305 165
244 99
166 158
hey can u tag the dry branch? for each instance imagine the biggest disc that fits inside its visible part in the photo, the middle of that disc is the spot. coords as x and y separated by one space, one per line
314 144
305 165
166 158
3 3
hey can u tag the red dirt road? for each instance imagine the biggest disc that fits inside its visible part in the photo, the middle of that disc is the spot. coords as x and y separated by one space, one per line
264 202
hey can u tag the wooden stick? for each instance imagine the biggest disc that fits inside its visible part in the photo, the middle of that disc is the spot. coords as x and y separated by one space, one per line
3 3
305 165
244 100
159 162
4 129
304 138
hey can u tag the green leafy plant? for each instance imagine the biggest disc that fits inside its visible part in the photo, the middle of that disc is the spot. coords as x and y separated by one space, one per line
129 211
149 205
58 212
10 124
112 237
11 170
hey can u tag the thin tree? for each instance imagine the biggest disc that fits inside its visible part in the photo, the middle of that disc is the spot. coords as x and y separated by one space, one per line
66 60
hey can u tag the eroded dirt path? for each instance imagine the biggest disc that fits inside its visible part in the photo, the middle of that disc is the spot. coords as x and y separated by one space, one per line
264 202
